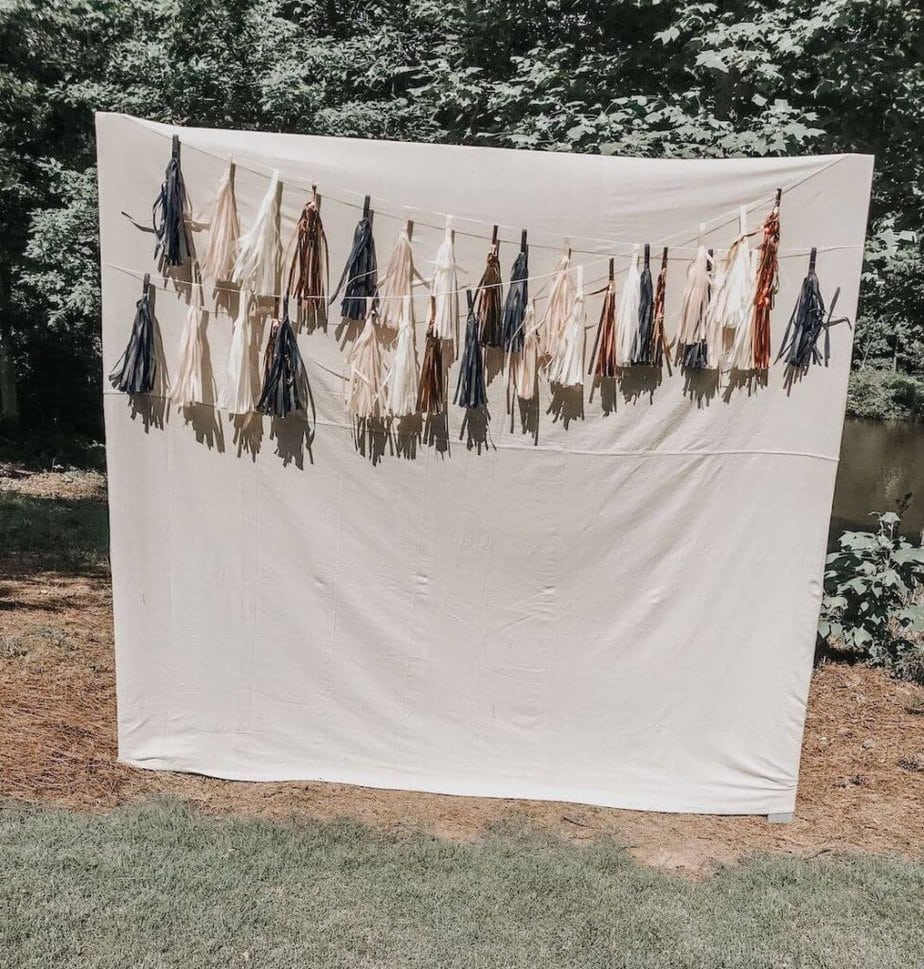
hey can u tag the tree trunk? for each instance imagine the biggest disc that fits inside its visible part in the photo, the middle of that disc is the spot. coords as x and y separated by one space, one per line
9 401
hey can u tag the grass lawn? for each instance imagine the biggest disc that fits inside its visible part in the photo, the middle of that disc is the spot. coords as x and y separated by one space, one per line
160 885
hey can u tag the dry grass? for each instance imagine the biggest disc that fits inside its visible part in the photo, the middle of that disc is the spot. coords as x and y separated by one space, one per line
860 789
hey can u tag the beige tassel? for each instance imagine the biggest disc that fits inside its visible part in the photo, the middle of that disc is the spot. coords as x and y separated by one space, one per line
365 388
398 281
242 378
526 362
218 263
444 288
627 314
558 308
258 254
190 382
402 379
693 350
567 366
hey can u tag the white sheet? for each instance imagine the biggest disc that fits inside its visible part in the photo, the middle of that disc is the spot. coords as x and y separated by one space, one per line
619 612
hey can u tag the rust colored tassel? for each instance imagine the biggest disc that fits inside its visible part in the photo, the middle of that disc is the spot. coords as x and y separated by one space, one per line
766 285
430 393
603 358
488 302
308 271
660 347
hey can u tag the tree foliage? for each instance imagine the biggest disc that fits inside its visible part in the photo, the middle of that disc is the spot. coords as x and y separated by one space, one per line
668 79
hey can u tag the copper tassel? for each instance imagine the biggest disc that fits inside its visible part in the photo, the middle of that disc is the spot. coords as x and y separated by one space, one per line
660 347
488 302
431 391
603 359
766 285
308 272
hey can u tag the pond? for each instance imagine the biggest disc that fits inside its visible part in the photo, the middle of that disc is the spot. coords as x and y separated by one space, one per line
881 461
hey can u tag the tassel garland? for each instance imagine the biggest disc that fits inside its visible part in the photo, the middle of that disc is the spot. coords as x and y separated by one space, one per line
627 316
567 366
470 390
430 394
603 358
444 289
258 254
169 214
218 263
285 370
800 341
365 386
308 272
190 382
642 347
239 393
488 299
766 285
360 274
402 379
134 373
559 306
517 298
693 351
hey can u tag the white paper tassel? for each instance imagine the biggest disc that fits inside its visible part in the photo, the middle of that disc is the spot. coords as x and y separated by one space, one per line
190 383
218 263
559 306
258 251
738 306
242 381
403 376
443 289
627 314
526 363
364 387
397 282
567 367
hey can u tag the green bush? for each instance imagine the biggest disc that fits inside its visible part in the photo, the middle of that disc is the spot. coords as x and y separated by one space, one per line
872 604
883 394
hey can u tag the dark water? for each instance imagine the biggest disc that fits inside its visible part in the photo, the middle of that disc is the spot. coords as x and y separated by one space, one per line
881 461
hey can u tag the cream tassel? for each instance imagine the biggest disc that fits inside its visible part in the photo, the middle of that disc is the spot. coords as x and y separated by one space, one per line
218 263
567 366
258 252
693 350
736 312
190 382
559 306
242 378
397 281
365 389
526 364
403 376
444 288
627 315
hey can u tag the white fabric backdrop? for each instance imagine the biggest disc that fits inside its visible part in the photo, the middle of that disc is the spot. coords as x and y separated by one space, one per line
619 611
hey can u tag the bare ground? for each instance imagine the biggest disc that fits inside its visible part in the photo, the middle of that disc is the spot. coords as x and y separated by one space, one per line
861 783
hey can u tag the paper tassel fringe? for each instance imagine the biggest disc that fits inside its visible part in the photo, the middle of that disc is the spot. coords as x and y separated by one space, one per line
489 301
134 373
308 272
401 382
258 255
470 390
285 371
218 262
431 394
169 214
190 380
443 288
240 391
359 280
800 342
517 298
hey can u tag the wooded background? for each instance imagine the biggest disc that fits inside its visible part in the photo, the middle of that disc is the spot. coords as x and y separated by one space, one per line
661 79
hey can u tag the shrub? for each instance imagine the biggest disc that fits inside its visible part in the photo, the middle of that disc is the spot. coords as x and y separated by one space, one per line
872 604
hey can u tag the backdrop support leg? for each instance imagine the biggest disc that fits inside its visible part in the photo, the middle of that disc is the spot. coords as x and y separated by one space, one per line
780 818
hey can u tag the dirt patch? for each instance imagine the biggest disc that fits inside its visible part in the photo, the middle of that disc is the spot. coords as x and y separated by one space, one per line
860 789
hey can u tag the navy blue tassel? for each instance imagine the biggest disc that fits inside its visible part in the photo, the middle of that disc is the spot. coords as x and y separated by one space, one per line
360 272
641 347
800 341
134 373
284 370
470 390
169 212
517 298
